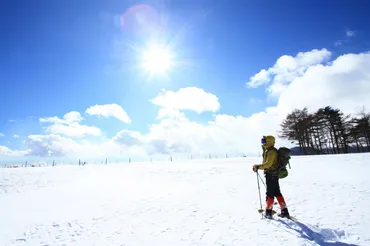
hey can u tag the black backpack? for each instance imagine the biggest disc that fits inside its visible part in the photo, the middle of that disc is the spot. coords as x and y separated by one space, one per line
283 157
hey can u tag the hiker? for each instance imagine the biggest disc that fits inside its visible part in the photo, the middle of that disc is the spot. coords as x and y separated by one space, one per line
270 161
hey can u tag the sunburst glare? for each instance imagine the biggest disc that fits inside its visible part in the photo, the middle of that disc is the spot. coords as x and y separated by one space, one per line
157 59
151 48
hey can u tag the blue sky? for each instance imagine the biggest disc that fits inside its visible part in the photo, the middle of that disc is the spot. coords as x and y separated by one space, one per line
57 56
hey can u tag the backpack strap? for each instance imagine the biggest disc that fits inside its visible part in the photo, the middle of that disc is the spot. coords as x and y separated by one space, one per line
271 148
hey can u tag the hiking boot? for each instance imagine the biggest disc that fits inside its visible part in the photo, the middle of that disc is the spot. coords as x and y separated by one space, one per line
284 213
268 214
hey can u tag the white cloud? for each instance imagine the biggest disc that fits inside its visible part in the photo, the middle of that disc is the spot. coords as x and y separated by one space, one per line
156 142
338 43
350 33
69 125
15 136
345 83
170 113
109 110
129 138
74 129
2 134
68 118
50 145
56 145
72 117
259 79
190 98
54 119
224 134
286 69
5 151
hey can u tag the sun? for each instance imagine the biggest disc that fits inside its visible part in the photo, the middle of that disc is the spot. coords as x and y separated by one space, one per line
157 59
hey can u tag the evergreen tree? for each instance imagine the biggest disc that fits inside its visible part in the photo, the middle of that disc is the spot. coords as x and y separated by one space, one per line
328 130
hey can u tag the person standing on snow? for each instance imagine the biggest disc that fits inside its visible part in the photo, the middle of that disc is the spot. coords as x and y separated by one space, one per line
270 161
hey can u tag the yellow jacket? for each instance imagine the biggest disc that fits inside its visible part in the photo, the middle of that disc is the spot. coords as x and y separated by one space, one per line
269 157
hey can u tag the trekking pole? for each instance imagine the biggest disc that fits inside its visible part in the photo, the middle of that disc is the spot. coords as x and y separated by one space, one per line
259 193
261 179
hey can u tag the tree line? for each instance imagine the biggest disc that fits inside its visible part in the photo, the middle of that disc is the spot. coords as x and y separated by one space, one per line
327 131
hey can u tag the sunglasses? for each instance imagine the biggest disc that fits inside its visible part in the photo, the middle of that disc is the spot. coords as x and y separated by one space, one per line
263 141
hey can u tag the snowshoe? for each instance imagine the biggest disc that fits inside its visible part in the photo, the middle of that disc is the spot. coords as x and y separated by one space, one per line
262 210
268 214
284 213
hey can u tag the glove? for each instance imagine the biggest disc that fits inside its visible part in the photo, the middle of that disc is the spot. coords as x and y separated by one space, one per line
255 168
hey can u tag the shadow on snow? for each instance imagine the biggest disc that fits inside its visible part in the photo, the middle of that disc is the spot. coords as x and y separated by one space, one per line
324 237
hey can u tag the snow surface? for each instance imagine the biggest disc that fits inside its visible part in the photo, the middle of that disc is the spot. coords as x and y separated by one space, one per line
211 202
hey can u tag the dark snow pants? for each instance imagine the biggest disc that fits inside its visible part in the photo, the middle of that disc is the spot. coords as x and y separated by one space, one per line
272 191
272 186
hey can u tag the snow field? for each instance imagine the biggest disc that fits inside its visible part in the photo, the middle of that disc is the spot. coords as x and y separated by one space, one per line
211 202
